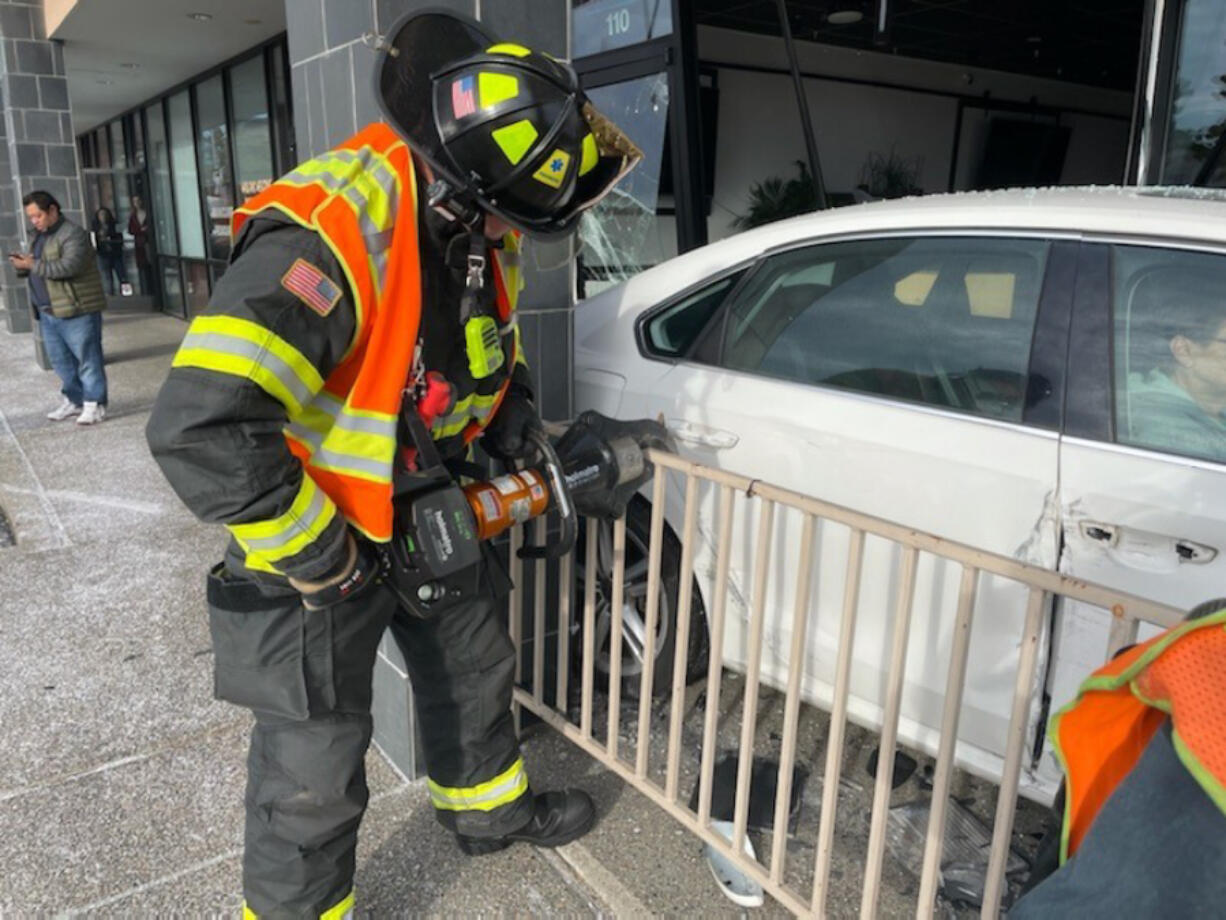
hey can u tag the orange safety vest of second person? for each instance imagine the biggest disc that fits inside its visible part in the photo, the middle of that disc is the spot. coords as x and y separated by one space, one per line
1101 735
361 199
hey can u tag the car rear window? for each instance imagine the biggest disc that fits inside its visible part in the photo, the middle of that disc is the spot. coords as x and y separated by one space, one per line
942 321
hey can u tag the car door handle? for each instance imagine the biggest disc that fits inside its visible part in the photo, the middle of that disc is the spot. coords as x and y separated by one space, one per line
1196 553
1139 544
1100 533
701 435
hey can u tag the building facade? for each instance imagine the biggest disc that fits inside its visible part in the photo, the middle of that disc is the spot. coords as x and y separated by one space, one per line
744 109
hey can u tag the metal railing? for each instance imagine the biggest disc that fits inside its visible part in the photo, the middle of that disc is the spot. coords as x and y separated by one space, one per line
1043 585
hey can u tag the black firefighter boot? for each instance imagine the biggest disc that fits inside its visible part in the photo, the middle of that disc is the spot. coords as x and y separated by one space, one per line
558 817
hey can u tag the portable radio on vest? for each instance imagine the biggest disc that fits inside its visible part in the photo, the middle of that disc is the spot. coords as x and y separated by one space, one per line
482 338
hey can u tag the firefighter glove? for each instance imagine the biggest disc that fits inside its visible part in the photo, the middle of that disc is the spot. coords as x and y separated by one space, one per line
362 569
505 438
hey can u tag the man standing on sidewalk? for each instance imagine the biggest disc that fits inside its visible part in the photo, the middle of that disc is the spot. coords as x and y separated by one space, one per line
66 292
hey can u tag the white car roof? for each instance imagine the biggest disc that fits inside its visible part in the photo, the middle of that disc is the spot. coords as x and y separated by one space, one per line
1194 213
1178 214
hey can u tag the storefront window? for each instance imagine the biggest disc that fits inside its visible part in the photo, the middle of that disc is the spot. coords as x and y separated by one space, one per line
623 235
1195 152
159 168
602 25
119 156
138 142
102 145
183 172
252 142
213 143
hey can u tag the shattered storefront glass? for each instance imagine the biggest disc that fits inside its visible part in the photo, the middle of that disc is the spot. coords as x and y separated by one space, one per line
622 235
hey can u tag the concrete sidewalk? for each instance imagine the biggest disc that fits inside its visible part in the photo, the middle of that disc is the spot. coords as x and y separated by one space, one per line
121 780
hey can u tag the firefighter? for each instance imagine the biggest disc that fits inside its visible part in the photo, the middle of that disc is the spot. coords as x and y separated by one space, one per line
1144 753
371 293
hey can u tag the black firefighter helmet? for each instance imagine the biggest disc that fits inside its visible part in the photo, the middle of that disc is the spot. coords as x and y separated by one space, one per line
505 130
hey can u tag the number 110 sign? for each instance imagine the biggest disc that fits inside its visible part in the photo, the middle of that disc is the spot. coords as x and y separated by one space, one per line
602 25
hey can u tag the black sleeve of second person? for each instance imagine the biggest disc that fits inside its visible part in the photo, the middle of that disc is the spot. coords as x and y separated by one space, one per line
218 437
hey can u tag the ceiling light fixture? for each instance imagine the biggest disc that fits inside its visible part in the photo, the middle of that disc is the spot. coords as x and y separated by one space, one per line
844 17
104 82
200 17
130 65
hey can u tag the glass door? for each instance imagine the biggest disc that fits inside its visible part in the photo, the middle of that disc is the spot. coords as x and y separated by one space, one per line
121 193
636 61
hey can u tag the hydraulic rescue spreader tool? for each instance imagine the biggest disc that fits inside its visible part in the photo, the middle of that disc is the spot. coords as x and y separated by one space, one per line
594 469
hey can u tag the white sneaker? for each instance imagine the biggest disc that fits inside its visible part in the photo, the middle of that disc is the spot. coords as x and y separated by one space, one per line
66 409
92 414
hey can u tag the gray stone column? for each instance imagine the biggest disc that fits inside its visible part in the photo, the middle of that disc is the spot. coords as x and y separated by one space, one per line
333 74
38 148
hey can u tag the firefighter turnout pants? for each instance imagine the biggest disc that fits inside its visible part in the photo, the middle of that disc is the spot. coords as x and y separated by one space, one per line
306 674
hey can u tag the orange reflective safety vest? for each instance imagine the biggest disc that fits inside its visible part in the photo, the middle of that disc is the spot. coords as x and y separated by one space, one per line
1100 736
361 199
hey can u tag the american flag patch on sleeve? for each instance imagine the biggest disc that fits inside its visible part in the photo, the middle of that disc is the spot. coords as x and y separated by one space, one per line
311 286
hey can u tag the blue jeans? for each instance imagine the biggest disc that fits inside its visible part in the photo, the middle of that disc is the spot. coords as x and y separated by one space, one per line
74 347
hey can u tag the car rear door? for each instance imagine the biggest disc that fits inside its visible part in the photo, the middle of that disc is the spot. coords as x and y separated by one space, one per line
892 375
1142 461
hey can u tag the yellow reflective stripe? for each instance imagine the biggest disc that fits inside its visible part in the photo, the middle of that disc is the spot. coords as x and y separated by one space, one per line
519 349
240 347
506 787
509 261
342 911
359 442
259 565
368 183
516 139
508 48
377 184
591 156
291 532
472 408
493 88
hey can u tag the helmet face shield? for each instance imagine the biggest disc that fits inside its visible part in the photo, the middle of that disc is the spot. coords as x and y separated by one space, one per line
507 129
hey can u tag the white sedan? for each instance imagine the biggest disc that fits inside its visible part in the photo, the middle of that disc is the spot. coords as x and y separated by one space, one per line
1041 374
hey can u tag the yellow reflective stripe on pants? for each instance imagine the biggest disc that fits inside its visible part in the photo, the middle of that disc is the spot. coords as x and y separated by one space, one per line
342 911
293 531
358 442
476 408
506 787
245 349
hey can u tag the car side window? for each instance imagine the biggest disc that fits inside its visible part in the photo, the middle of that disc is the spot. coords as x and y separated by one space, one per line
670 332
942 321
1170 350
